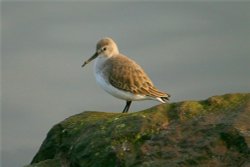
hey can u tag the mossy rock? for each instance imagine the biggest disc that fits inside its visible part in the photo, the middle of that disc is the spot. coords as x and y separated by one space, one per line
213 132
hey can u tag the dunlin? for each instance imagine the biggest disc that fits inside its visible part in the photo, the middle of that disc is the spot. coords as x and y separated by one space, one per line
121 76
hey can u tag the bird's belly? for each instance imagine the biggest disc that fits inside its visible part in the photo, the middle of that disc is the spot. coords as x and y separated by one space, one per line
121 94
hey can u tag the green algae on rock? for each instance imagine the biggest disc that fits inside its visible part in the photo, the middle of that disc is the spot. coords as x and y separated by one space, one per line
213 132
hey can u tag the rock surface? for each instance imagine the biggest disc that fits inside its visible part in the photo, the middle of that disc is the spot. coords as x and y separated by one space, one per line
213 132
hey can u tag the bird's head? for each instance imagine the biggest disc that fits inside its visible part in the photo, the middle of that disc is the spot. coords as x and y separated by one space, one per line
105 47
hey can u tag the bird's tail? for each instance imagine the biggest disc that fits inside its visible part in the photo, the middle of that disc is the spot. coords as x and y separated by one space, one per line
165 98
158 95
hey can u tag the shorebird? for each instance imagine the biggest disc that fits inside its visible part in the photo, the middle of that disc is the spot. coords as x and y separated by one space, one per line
121 76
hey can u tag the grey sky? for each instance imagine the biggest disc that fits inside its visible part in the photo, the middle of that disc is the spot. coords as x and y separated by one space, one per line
191 50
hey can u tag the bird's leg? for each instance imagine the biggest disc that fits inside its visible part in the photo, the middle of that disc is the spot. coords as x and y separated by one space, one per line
128 103
125 108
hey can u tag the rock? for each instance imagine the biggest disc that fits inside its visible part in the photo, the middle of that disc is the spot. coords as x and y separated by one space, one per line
213 132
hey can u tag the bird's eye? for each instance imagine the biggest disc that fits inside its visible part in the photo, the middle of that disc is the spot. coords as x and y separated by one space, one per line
103 49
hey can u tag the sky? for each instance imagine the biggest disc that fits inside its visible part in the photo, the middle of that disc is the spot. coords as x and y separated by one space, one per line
192 50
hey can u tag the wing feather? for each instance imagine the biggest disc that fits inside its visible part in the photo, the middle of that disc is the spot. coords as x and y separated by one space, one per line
126 75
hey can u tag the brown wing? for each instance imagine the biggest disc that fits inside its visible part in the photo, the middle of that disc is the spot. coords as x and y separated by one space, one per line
126 75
